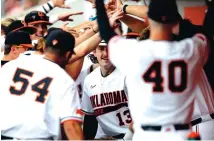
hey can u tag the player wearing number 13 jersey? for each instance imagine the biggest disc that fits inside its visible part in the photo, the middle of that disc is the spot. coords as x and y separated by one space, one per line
37 94
105 96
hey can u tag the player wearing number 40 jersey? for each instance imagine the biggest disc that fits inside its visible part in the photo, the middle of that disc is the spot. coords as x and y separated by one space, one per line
161 75
105 96
37 94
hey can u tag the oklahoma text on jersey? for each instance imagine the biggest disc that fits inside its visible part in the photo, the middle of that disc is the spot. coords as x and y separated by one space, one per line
101 102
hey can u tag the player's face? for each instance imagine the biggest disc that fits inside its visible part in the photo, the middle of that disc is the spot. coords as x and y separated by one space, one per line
102 56
41 29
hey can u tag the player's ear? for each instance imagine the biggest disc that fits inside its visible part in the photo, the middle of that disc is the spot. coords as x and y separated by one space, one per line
94 52
13 49
67 55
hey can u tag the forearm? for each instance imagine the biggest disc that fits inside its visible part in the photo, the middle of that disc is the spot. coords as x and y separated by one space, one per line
137 10
88 33
47 7
82 25
106 32
86 47
73 130
73 69
134 24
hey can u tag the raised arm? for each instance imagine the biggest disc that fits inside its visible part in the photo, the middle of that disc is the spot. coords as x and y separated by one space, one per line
137 10
134 24
106 31
47 7
85 47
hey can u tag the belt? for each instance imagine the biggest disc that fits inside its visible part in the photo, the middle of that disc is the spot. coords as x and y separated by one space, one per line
11 138
6 138
199 120
158 127
120 136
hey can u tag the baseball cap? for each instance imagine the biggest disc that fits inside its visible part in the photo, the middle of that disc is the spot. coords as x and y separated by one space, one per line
163 11
62 40
18 38
36 17
20 25
50 30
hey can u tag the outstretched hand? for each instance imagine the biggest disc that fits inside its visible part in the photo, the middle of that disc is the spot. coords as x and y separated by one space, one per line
70 30
66 16
116 16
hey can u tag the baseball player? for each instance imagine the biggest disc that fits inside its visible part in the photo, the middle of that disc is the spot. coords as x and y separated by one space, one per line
161 74
105 96
40 20
16 42
19 25
42 95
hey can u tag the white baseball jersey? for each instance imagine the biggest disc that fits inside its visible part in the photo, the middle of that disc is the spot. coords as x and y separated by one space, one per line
83 73
161 77
107 99
204 103
37 95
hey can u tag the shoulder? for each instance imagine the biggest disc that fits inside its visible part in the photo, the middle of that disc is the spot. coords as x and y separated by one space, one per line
91 77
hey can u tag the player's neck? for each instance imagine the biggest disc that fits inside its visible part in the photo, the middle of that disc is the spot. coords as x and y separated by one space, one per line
7 57
160 35
52 58
106 71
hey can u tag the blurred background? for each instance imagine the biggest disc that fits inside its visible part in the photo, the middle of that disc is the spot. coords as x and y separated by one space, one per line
191 9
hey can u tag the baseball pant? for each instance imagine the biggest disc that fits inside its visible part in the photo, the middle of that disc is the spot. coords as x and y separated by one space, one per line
205 129
166 133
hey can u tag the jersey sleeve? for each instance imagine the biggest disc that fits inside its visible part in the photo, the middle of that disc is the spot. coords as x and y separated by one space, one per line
123 53
86 103
70 108
201 46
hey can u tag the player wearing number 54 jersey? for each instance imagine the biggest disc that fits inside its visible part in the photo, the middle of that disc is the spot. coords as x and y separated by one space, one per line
105 96
37 94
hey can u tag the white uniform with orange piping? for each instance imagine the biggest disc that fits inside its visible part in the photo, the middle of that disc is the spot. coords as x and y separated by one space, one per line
36 100
161 81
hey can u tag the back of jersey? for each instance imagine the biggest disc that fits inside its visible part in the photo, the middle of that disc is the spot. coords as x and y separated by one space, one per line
32 88
161 78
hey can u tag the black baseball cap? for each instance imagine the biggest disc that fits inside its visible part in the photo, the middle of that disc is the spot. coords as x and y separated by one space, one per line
22 26
61 40
19 38
163 11
36 17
